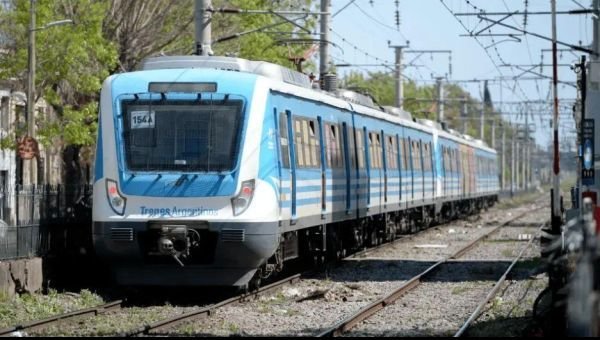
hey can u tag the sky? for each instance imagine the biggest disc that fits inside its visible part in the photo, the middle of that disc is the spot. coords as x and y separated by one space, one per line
362 30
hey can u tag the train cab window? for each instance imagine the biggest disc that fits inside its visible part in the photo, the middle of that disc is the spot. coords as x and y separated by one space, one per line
335 157
283 140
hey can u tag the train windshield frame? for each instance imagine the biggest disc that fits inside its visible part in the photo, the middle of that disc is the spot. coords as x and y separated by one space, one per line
182 135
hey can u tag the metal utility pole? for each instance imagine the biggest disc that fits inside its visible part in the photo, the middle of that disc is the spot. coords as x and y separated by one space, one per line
324 45
31 84
440 98
465 113
517 168
526 152
203 19
556 213
399 67
512 166
502 178
493 134
481 125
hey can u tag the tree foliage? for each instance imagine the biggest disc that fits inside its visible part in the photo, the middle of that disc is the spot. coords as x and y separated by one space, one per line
111 36
72 61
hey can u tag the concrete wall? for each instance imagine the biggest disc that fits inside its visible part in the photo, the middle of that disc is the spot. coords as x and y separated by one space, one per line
20 276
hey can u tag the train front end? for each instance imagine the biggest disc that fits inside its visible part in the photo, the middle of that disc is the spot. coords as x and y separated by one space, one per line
177 198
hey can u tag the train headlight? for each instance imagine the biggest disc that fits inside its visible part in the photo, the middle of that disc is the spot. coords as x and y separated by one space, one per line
115 200
241 202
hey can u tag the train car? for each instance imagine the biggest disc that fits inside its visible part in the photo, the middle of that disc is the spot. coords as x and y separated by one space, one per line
216 171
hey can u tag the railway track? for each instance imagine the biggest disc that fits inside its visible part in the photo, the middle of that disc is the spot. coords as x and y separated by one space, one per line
162 327
40 324
166 324
494 291
369 310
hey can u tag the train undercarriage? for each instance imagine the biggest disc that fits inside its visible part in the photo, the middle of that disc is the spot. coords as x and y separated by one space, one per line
330 242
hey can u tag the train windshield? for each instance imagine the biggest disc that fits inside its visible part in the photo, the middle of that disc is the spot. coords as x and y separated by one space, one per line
176 135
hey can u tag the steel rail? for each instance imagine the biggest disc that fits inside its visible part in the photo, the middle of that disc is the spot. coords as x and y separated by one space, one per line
43 323
203 312
366 312
494 290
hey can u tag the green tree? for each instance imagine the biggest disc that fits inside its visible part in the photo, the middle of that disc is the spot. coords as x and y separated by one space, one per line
72 62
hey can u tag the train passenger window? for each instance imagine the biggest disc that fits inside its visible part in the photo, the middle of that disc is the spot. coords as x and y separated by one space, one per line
351 147
445 158
405 153
335 158
371 152
391 153
379 145
298 143
375 150
427 157
307 143
283 140
315 156
416 156
360 148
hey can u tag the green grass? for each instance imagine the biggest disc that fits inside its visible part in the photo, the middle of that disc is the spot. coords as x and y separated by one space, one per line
27 307
459 290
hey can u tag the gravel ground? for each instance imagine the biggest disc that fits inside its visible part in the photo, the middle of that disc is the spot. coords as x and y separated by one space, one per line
314 304
366 278
441 305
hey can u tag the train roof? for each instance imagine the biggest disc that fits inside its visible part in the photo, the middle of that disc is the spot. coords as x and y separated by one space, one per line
295 83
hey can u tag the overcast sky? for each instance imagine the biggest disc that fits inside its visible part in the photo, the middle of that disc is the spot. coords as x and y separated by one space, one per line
366 26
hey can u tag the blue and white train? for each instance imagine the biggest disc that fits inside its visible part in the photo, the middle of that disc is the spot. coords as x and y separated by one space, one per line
215 171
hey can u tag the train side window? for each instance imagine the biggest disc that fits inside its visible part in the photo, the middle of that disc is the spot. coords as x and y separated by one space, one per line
373 159
445 158
416 156
379 150
351 146
360 148
375 150
392 153
426 157
306 144
306 140
339 140
405 152
315 147
284 140
298 143
334 151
